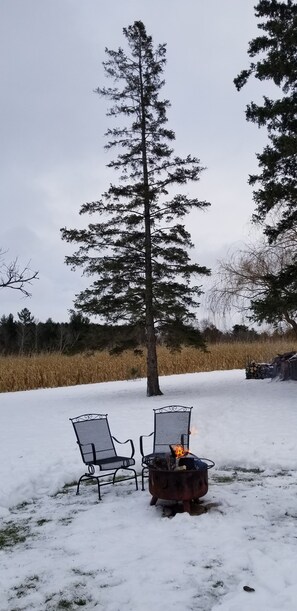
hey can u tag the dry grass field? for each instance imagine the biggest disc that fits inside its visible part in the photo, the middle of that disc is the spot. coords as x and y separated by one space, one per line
52 370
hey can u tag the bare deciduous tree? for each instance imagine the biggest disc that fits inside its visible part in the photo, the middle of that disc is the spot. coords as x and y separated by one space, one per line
249 276
15 276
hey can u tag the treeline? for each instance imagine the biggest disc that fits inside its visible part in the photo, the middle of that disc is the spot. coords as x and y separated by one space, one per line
27 336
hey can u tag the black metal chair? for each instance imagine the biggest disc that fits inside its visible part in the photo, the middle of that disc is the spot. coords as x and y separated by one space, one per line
171 427
97 449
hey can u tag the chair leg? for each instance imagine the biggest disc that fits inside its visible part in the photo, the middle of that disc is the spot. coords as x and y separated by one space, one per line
142 477
78 483
98 484
126 469
87 476
135 477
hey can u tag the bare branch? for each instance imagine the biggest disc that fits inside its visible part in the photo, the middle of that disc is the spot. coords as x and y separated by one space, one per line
245 275
13 276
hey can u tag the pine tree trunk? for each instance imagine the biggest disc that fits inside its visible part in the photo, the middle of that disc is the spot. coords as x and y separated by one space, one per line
153 387
151 360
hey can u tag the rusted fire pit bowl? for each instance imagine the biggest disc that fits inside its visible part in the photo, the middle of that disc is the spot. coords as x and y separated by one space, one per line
186 486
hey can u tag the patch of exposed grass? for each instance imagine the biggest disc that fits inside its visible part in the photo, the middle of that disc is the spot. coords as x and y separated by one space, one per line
21 506
69 485
64 604
83 573
256 471
223 479
42 521
62 600
12 534
67 488
65 521
24 588
71 604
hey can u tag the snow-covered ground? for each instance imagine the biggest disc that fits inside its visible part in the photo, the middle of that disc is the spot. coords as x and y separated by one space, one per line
62 551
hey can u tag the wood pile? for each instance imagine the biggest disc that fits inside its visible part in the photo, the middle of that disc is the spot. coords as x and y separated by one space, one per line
282 366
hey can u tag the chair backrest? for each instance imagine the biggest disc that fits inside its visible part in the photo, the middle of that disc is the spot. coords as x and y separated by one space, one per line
171 427
93 432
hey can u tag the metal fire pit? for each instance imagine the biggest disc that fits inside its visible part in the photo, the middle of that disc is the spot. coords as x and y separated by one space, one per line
186 486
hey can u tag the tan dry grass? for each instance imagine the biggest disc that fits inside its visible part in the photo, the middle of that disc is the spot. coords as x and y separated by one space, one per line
220 356
52 370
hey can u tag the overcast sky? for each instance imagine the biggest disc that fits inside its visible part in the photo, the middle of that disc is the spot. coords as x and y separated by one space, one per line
53 125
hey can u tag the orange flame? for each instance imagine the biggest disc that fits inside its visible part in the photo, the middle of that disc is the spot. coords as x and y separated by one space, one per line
179 451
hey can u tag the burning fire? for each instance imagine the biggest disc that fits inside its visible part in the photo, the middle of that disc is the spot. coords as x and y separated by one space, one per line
179 451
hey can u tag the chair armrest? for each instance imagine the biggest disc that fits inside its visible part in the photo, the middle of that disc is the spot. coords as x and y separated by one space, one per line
182 439
82 445
123 442
141 442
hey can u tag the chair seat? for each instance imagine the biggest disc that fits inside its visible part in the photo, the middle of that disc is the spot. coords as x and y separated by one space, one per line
114 462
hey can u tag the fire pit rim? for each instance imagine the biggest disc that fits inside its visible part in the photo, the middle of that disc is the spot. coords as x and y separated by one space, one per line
150 460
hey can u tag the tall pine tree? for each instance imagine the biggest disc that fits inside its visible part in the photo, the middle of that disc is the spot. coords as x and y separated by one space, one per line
275 187
137 248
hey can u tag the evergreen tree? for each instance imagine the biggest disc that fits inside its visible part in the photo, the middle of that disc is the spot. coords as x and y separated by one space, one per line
78 329
8 334
25 317
278 302
26 325
275 192
138 247
277 51
49 335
